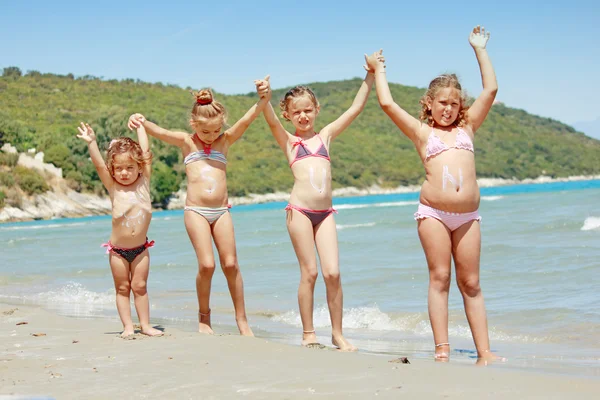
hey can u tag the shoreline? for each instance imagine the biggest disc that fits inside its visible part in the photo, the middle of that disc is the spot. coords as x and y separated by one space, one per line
71 204
66 357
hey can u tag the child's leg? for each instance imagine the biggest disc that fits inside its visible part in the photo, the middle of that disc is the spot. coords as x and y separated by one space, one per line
302 235
466 247
140 268
121 276
327 246
224 236
437 245
199 232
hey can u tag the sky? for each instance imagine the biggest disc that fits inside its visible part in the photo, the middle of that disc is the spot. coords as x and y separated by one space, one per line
546 54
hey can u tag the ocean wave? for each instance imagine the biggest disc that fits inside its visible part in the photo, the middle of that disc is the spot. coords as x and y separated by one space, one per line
340 227
388 204
591 223
74 293
41 226
371 318
491 198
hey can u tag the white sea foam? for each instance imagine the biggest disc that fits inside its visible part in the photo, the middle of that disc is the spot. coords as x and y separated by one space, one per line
492 198
371 318
388 204
74 293
340 227
591 223
42 226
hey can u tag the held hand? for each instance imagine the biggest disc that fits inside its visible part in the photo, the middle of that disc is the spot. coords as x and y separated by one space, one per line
263 87
479 37
86 133
135 121
375 62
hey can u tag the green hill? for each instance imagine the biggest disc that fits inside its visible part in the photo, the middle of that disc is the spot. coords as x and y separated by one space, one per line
42 111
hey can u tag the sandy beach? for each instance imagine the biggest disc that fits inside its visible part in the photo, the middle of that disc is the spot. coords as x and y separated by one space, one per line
44 355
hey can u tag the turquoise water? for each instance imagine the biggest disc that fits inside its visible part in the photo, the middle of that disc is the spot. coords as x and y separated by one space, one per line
539 272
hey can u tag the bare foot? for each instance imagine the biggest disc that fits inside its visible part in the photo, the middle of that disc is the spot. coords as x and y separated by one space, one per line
442 352
342 344
486 357
309 338
150 331
127 331
204 323
243 327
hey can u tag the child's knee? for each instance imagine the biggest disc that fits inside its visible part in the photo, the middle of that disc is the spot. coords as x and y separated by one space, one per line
310 275
440 281
123 288
469 287
332 277
139 288
229 266
206 268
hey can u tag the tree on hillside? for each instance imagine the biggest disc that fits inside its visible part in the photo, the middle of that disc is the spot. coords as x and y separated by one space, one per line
12 72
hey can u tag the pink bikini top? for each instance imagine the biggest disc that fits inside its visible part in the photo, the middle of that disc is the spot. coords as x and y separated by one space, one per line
304 152
435 145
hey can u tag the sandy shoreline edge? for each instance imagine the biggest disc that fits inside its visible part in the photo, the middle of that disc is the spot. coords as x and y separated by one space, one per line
70 204
85 358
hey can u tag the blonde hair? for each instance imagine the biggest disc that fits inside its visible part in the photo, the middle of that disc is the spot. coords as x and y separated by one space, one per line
206 107
438 83
125 145
297 92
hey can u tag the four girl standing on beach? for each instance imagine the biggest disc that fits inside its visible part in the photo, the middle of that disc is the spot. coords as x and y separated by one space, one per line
206 214
310 220
126 176
448 217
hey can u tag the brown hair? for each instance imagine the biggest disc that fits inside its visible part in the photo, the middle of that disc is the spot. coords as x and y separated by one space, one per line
297 92
442 82
206 107
125 145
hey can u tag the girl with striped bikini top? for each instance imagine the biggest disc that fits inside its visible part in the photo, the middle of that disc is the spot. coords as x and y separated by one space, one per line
206 215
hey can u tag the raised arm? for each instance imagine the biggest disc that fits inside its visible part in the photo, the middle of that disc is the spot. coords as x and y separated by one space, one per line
481 107
277 129
408 124
143 141
171 137
336 127
237 130
89 136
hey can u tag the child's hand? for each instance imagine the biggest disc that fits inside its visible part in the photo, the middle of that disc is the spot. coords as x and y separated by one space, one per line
479 37
135 121
263 87
86 133
375 62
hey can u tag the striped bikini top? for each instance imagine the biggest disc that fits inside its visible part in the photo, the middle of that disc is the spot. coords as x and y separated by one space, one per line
435 145
202 155
303 151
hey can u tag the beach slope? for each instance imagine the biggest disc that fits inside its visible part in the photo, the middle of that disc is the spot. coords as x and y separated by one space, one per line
51 356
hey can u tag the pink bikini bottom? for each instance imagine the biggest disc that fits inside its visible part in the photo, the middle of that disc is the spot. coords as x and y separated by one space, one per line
452 220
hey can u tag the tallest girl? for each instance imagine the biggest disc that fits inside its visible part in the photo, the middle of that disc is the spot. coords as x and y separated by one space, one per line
448 217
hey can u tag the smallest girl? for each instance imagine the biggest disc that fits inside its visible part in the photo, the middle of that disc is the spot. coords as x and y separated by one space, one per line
126 176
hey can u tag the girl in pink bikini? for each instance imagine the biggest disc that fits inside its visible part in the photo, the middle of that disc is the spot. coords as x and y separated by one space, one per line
310 220
448 217
206 215
126 177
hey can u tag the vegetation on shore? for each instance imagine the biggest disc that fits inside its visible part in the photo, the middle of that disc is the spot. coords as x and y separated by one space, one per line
42 110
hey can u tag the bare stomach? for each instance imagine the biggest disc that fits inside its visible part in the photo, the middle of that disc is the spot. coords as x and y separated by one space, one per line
305 195
129 234
462 201
203 194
